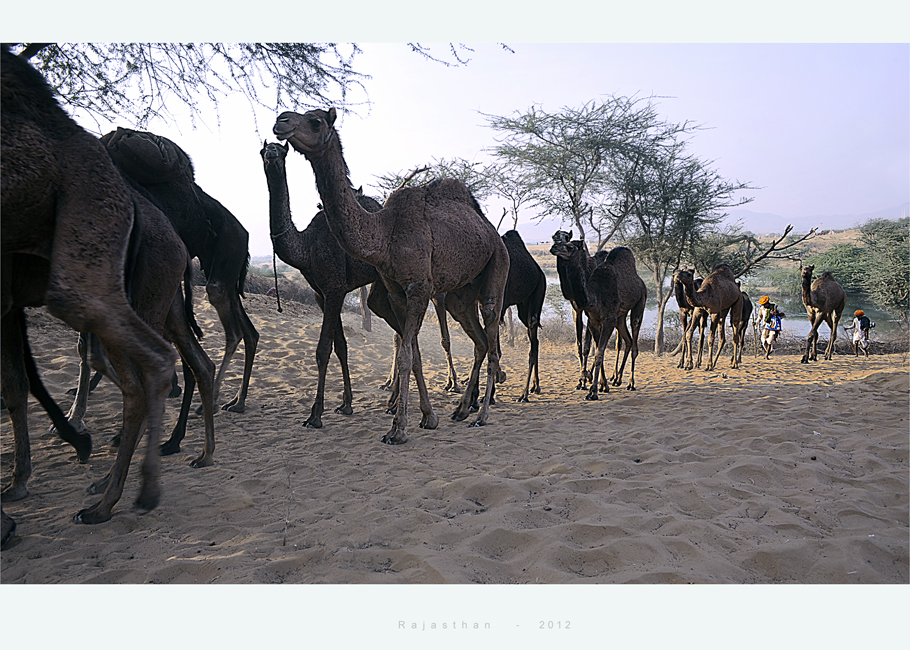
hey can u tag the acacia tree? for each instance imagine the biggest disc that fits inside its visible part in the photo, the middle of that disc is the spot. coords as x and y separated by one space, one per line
672 200
562 158
886 247
139 80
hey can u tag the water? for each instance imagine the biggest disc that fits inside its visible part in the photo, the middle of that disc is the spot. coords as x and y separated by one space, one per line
796 324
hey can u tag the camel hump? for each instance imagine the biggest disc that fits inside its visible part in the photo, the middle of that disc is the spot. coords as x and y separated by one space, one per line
724 270
826 274
621 257
454 190
146 157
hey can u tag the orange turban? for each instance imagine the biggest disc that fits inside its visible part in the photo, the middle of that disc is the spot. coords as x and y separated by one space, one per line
763 300
859 312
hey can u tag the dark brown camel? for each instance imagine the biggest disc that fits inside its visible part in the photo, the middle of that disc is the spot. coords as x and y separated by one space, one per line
163 172
719 294
526 288
596 292
582 339
426 240
64 201
825 300
690 317
330 271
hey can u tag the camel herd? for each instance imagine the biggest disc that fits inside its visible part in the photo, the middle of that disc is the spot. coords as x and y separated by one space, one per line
102 233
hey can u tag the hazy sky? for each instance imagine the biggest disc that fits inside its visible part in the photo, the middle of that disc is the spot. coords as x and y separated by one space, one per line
822 129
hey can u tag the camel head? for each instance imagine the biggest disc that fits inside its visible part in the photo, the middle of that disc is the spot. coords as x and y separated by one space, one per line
685 277
309 133
273 154
807 271
562 236
568 249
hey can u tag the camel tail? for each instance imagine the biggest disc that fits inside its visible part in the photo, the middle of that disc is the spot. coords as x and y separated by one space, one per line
82 442
188 297
366 319
241 279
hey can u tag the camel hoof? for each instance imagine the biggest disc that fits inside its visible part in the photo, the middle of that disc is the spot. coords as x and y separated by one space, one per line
14 493
460 414
630 387
430 421
523 398
9 529
202 461
477 423
148 499
591 397
313 423
231 407
394 438
91 515
345 409
169 448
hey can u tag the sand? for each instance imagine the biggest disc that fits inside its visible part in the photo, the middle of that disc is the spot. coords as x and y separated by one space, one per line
777 472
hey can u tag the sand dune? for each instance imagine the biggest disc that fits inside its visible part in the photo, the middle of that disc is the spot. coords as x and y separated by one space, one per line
774 473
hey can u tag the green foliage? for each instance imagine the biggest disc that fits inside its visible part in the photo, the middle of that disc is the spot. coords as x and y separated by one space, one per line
847 262
886 248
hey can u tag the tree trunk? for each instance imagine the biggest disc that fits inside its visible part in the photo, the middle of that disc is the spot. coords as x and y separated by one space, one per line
662 301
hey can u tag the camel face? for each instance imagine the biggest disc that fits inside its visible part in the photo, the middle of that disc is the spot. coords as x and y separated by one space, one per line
273 154
685 277
308 133
562 236
564 249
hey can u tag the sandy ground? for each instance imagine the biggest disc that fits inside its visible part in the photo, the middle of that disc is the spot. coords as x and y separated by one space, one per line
776 472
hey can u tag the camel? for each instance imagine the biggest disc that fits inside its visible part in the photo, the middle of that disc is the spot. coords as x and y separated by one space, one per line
330 271
582 338
596 292
64 201
690 317
426 240
526 288
163 172
719 294
825 300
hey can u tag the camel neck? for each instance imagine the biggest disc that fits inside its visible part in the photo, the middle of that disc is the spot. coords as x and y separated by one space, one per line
574 272
807 290
358 232
281 226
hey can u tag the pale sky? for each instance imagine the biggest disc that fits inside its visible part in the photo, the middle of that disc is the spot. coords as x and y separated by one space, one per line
822 129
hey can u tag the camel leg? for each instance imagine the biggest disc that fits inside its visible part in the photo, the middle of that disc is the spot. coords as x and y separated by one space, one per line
392 379
199 370
711 336
341 351
636 322
237 327
14 385
8 529
811 341
490 310
832 323
622 332
606 330
409 307
331 321
429 420
464 311
76 414
439 302
532 364
582 344
681 347
172 446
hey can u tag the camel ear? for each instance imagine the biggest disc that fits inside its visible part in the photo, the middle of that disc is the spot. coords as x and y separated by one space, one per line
330 119
570 234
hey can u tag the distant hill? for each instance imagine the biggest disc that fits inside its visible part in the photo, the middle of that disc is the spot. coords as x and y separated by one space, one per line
762 223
